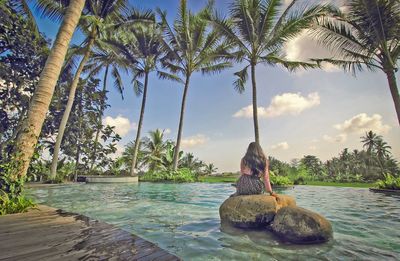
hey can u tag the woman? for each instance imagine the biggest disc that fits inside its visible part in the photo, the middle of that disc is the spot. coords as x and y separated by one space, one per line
253 165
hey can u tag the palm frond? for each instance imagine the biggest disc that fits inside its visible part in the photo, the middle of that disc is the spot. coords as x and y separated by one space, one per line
168 76
118 83
215 68
239 83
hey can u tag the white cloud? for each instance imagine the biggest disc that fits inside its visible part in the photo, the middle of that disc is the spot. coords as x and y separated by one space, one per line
280 146
338 138
167 131
362 123
194 141
284 104
122 125
313 148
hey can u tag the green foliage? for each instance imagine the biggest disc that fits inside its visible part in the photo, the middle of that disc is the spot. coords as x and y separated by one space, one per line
180 175
389 182
12 199
23 55
277 180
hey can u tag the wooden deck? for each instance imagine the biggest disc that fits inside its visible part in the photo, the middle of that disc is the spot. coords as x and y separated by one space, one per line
51 234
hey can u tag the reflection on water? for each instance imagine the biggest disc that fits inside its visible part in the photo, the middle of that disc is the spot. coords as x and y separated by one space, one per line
184 219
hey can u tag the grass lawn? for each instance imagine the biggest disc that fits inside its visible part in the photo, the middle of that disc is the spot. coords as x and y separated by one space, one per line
219 179
232 179
340 184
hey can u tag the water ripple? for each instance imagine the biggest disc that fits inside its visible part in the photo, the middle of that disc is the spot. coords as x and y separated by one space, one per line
184 219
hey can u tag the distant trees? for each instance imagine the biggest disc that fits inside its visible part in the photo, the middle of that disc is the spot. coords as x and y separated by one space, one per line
156 154
350 166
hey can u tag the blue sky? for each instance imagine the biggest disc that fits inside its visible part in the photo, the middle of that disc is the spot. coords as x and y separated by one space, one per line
315 112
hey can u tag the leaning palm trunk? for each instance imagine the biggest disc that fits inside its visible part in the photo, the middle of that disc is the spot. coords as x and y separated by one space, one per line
178 140
96 140
255 112
394 91
64 120
137 141
32 126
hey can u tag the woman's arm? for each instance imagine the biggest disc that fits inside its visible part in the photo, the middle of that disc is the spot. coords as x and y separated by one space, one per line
267 183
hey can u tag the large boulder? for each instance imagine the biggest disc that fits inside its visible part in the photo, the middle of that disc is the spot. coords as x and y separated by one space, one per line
301 226
252 211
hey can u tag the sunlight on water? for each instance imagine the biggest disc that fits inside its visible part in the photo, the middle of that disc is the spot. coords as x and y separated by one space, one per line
184 219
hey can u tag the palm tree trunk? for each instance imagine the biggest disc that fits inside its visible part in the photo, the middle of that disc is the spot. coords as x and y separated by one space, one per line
64 120
27 139
394 91
96 140
178 140
137 140
255 113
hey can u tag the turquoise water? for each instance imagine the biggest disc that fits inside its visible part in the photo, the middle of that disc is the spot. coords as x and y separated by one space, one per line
184 219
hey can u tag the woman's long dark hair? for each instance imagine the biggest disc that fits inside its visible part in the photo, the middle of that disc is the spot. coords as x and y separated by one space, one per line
255 159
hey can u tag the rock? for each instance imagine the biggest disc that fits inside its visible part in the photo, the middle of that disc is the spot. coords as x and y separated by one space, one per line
252 211
301 226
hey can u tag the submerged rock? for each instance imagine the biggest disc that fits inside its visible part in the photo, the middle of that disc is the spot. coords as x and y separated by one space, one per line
252 211
301 226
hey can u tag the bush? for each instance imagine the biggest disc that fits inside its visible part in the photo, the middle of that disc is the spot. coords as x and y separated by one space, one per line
181 175
12 198
389 182
279 180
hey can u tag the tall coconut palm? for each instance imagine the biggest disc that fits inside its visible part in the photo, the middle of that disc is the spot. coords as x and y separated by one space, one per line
40 101
382 153
142 49
365 35
108 59
191 46
259 30
100 16
369 141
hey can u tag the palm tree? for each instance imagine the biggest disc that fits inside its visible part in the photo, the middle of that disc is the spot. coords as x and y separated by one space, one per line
154 148
210 169
365 34
369 141
99 17
142 49
382 153
105 57
40 101
190 47
258 33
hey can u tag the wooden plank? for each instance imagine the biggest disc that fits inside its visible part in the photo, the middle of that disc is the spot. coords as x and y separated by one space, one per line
51 234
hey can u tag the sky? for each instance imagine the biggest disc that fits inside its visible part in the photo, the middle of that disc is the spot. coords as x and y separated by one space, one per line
315 112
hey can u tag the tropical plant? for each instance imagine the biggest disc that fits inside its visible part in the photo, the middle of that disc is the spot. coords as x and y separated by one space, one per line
189 161
258 32
369 141
12 198
42 96
105 57
190 46
22 57
141 47
365 35
99 16
210 169
389 182
181 175
154 149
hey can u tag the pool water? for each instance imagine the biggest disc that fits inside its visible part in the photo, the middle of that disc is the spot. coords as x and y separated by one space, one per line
184 219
